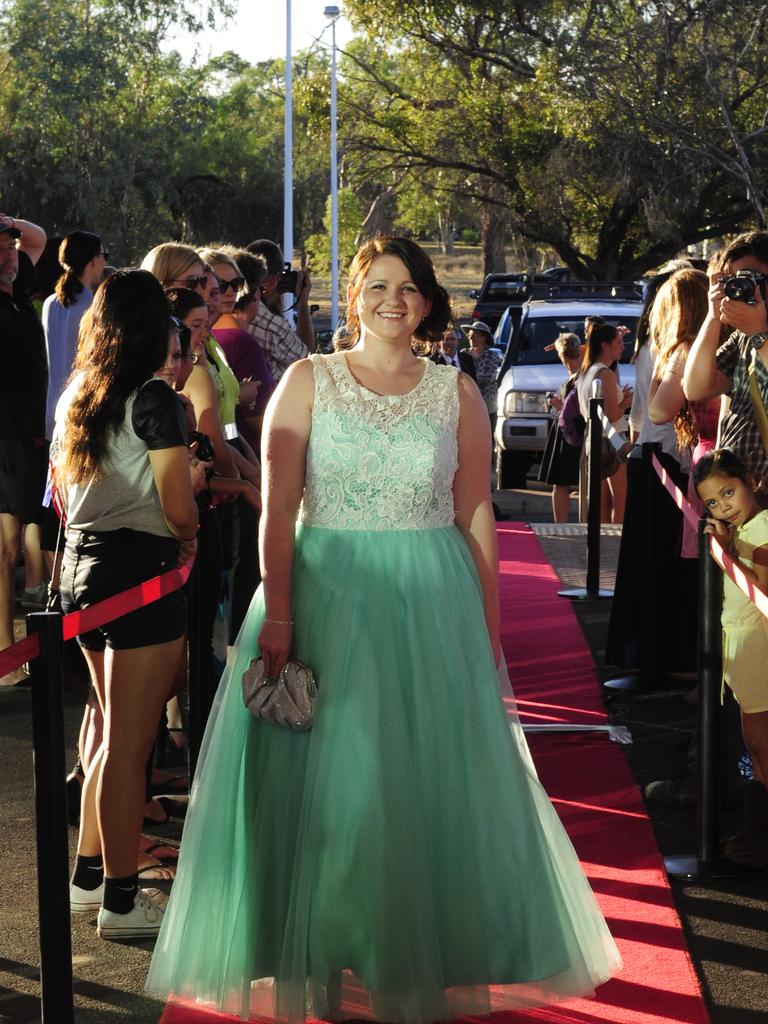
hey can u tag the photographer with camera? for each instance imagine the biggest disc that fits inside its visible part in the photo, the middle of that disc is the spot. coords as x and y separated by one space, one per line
739 368
737 298
282 344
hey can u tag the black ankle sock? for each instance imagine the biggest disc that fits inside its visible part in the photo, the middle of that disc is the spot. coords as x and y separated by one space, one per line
119 893
88 873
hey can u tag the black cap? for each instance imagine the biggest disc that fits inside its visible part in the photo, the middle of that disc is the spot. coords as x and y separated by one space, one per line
12 231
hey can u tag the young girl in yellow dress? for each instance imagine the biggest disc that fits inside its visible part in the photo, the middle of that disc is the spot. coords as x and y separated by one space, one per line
741 526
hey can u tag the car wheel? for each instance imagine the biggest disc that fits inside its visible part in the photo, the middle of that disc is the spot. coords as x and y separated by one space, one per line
512 469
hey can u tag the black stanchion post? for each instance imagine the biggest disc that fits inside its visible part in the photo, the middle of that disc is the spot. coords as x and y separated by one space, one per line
710 683
592 590
707 863
199 669
643 680
50 809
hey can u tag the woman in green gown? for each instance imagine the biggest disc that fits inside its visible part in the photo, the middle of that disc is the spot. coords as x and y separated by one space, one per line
399 861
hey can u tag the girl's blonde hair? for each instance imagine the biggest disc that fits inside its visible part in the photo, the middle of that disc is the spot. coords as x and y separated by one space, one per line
214 256
677 314
170 261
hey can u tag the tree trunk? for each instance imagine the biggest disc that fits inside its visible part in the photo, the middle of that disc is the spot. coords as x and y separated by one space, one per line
447 228
380 218
493 221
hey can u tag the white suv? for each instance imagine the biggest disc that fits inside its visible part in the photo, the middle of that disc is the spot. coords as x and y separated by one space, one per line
528 373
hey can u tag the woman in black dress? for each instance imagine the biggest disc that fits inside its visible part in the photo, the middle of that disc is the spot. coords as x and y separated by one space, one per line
560 461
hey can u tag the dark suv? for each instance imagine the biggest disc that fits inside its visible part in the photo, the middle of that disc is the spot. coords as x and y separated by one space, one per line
499 292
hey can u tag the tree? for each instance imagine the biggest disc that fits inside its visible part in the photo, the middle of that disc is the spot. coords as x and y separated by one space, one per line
101 129
350 215
575 113
94 116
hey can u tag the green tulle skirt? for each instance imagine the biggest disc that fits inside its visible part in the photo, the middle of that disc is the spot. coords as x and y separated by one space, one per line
399 861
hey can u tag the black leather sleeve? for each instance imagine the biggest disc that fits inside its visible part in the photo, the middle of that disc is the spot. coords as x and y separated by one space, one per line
158 416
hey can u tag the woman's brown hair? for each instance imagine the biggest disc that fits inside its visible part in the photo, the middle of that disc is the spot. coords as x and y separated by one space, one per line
75 253
677 314
423 276
123 342
596 334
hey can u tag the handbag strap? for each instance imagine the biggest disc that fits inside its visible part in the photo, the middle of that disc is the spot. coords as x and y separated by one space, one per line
758 404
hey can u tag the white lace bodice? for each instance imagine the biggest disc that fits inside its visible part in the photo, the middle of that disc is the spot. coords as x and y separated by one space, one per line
381 462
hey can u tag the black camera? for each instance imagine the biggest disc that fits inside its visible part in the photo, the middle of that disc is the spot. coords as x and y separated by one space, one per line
288 280
204 450
741 286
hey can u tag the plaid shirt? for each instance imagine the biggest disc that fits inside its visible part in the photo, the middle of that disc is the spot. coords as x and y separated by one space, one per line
281 344
739 430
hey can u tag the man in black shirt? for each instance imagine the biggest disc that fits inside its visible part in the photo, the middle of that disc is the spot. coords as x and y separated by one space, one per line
23 384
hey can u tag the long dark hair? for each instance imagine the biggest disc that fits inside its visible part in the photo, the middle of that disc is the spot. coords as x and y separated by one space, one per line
423 274
75 253
125 341
596 335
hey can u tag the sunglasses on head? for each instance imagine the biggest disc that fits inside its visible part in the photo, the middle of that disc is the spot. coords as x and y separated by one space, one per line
235 284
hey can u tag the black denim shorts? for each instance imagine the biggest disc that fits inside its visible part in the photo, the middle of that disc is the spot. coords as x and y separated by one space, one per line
99 565
23 468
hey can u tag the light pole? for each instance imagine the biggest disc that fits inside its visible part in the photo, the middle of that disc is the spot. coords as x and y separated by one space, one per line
333 13
288 165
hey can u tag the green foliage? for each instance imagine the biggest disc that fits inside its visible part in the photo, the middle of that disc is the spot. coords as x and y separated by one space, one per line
611 132
101 129
350 216
616 133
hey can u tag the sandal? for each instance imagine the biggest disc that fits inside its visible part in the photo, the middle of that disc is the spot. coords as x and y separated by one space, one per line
170 808
151 870
167 858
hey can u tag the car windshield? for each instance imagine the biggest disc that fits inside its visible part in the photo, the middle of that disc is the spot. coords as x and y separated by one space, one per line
499 291
536 334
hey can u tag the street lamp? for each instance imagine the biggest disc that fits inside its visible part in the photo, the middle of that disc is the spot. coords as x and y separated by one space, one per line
288 151
334 13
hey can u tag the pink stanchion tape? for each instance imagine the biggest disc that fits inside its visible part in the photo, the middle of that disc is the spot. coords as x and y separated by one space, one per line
675 493
98 614
755 594
736 573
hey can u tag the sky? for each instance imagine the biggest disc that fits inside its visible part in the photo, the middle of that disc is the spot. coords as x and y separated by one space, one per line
257 32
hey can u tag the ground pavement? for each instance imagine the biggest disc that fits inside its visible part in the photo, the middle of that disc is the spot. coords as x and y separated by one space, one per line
725 922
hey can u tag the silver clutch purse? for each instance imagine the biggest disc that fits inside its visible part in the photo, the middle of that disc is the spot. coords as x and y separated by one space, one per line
288 701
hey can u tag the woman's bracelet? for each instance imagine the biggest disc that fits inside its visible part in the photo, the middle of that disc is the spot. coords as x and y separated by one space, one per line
281 622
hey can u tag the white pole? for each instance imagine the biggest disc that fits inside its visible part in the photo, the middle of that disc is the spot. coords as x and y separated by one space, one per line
288 299
334 191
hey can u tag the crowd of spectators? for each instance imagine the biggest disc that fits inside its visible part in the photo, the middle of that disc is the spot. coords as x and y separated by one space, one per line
701 383
700 363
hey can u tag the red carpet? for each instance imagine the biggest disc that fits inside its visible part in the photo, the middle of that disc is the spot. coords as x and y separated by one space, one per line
586 776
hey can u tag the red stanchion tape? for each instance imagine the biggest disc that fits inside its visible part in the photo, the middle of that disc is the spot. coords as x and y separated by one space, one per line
18 654
99 614
755 594
128 601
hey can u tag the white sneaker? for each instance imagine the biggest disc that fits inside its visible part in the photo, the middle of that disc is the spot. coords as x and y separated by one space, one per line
142 922
85 901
